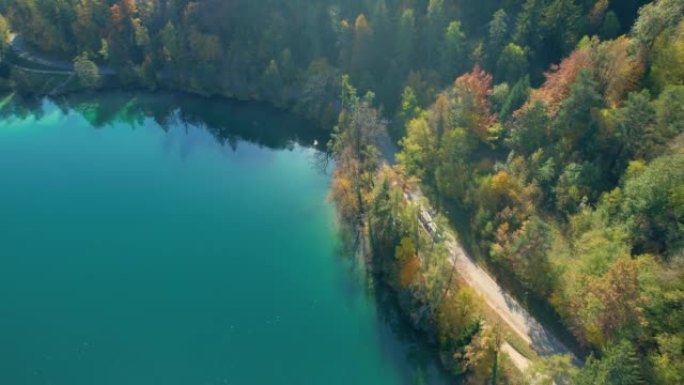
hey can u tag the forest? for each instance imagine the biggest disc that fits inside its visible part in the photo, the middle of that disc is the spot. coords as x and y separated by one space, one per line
549 134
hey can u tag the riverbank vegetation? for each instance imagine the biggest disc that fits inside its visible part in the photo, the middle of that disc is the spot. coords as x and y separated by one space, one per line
551 130
571 193
575 192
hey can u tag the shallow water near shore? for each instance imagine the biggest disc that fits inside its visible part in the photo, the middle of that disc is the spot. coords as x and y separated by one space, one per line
164 239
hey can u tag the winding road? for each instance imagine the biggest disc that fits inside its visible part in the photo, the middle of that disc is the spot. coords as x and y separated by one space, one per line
50 66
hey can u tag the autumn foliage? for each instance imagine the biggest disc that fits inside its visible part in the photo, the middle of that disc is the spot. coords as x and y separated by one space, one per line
618 70
472 91
558 81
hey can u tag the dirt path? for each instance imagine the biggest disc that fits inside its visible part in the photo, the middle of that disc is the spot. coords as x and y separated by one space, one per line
521 362
505 306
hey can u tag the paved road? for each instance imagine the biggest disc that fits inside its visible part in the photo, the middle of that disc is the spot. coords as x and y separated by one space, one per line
508 309
51 66
44 72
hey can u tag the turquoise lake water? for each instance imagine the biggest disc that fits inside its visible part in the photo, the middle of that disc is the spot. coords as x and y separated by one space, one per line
162 239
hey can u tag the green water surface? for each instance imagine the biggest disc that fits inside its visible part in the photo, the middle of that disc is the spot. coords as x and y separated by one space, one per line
162 239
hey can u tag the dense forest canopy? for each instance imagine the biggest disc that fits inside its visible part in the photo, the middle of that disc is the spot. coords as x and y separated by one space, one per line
293 52
550 129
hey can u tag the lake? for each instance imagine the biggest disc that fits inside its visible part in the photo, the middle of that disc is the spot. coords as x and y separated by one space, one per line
165 239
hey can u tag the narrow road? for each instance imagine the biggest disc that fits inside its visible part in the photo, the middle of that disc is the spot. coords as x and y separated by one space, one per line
505 306
50 66
44 72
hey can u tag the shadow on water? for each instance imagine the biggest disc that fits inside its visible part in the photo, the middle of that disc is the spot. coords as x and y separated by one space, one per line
426 367
403 345
228 121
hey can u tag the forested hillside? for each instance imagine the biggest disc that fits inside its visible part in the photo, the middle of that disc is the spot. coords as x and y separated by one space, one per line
292 53
575 189
571 192
550 130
